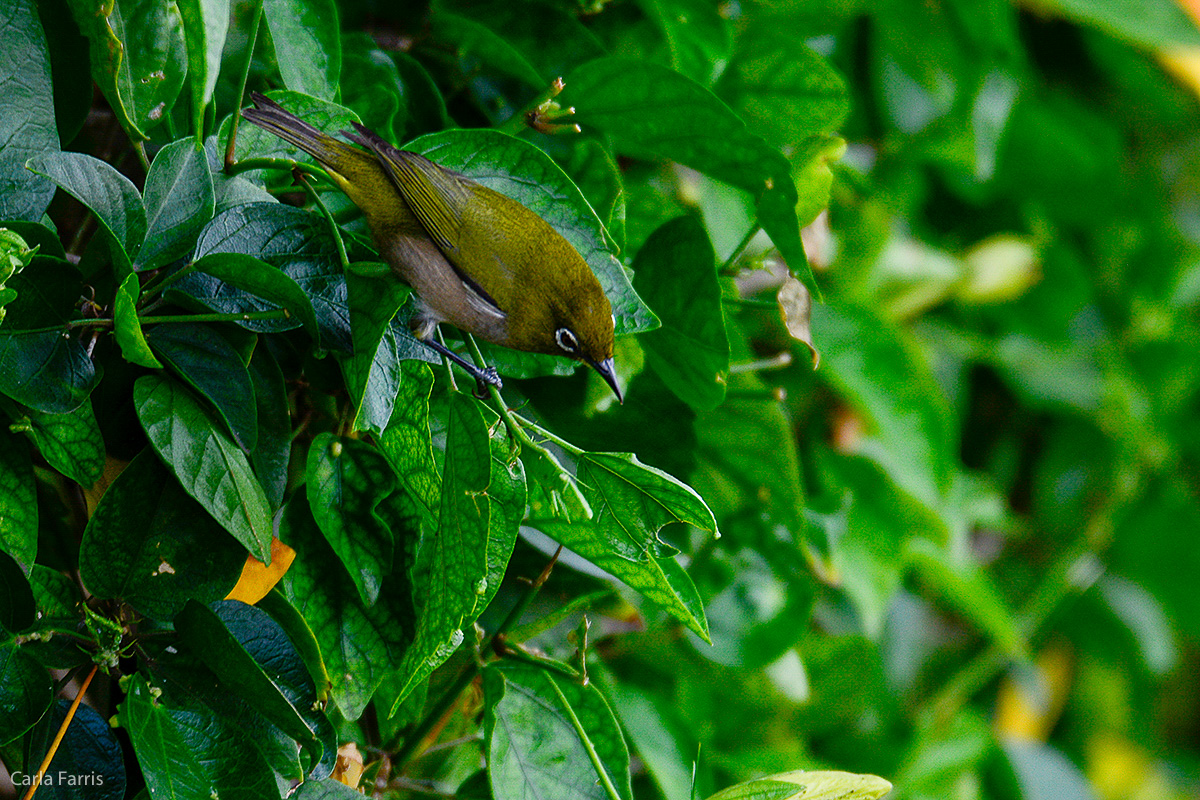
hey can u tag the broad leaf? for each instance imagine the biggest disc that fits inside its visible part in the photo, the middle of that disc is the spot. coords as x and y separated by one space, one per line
255 142
89 757
697 34
521 171
109 194
211 366
274 450
139 58
27 127
205 25
307 44
18 499
347 480
25 690
295 242
548 736
361 645
207 462
262 280
70 442
801 785
155 548
407 442
179 202
17 607
677 275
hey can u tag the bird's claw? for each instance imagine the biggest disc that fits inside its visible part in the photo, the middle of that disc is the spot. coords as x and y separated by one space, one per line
485 378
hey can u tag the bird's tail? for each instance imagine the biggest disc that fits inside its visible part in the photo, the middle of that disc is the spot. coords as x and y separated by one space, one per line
270 116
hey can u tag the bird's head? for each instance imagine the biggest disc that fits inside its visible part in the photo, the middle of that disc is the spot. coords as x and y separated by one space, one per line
583 329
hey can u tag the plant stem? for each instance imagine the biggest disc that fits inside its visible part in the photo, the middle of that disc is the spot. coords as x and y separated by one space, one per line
233 129
333 226
62 731
163 280
586 740
727 267
275 313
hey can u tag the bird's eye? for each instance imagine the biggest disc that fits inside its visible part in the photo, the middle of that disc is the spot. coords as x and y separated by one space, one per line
566 340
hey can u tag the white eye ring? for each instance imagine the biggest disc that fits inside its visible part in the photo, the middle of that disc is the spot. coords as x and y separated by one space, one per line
566 340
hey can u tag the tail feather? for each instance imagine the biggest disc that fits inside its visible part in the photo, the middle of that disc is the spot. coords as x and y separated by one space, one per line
270 116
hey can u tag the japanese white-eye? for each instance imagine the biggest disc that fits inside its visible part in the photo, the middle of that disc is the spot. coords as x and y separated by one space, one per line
476 259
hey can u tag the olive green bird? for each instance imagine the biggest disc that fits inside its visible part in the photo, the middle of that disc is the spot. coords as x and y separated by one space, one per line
476 259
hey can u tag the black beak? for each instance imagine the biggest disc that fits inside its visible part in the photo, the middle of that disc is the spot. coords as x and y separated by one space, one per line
605 368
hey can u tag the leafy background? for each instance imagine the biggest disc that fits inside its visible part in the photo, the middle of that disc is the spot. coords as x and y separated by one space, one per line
959 554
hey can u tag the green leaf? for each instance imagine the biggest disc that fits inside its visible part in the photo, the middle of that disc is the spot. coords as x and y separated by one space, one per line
262 280
697 35
274 450
506 495
211 366
307 44
17 608
652 111
347 480
252 656
179 200
327 789
371 85
783 90
208 464
457 562
598 177
802 785
25 690
361 645
27 128
70 443
18 499
474 39
879 370
521 171
381 345
295 242
88 763
37 235
407 442
186 751
109 194
154 547
59 608
1150 24
547 736
128 328
676 273
45 370
205 25
424 103
301 637
139 58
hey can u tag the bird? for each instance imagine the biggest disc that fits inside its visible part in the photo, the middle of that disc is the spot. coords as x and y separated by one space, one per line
475 258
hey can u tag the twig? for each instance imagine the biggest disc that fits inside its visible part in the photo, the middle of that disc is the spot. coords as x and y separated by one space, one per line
62 731
233 128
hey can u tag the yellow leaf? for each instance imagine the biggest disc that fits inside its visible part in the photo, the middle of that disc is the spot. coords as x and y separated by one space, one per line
258 578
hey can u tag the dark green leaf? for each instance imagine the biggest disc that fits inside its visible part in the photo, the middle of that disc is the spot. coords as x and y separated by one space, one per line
677 275
474 39
361 645
262 280
423 100
526 174
457 561
381 344
328 789
297 243
37 235
207 462
651 111
371 86
27 128
18 499
407 443
25 690
17 607
307 44
783 90
205 24
47 370
187 752
544 734
70 68
598 177
139 58
252 656
270 458
254 142
179 202
347 479
88 764
109 194
153 547
881 372
127 327
70 443
211 366
1150 24
697 35
301 637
